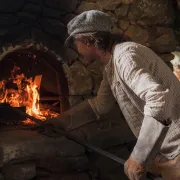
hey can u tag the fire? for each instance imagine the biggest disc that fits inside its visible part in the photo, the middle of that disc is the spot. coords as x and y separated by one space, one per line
32 106
23 92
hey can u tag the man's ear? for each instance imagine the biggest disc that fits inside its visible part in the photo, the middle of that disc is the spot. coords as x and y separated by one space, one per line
87 42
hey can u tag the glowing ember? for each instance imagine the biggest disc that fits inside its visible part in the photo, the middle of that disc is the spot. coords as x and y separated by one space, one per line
24 92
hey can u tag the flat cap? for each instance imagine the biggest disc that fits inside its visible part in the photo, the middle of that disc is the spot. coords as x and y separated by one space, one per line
89 21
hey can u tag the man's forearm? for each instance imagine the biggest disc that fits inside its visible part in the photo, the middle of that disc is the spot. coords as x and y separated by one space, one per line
80 115
151 137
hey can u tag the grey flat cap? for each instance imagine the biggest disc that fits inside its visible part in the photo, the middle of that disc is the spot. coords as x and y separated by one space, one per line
89 21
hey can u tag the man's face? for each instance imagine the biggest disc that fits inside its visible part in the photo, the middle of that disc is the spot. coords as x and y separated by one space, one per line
88 51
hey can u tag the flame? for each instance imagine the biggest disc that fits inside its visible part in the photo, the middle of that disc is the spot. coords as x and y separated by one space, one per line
32 107
25 92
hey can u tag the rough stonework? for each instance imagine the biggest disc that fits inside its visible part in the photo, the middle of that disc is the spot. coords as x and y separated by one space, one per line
148 22
79 79
25 154
41 25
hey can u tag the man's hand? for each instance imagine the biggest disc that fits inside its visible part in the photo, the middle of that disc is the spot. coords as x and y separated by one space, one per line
73 118
134 170
60 122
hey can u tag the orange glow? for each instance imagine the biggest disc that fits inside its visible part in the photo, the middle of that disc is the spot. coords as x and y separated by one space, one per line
25 93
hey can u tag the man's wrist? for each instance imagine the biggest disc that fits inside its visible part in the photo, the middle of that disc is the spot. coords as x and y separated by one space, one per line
151 137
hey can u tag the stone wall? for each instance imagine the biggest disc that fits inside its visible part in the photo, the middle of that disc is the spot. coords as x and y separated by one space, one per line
25 154
43 23
148 22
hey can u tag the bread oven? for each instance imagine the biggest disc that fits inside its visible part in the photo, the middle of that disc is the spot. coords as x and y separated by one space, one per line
31 78
34 80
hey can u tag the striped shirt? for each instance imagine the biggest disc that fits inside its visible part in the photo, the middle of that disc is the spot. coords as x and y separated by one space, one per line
142 84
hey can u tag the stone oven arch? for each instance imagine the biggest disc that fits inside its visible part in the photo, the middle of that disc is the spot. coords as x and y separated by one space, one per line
56 64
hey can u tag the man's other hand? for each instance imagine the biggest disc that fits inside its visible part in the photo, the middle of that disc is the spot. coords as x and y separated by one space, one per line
60 122
134 170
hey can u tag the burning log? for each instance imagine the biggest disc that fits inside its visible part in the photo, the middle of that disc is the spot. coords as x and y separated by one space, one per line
8 116
20 91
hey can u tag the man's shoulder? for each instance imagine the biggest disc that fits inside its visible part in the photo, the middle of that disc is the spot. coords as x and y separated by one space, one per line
126 47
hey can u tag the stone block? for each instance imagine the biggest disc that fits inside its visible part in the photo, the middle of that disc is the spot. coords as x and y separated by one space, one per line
86 6
128 1
17 33
178 3
137 34
65 6
51 13
8 19
4 30
63 164
153 11
164 41
28 18
67 18
122 11
67 176
54 28
113 16
116 2
123 24
79 79
112 5
79 176
117 31
24 145
67 54
109 169
32 8
35 1
10 5
1 177
19 171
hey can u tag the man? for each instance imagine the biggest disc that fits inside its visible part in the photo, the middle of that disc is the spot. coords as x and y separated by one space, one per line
145 88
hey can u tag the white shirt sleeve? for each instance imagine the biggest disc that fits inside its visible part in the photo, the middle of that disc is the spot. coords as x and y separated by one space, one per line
104 101
141 81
